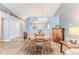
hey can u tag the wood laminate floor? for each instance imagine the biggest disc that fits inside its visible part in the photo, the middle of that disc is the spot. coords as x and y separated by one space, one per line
15 46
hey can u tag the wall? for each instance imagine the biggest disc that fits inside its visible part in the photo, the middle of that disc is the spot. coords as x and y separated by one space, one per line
53 21
68 16
11 26
14 27
22 27
0 27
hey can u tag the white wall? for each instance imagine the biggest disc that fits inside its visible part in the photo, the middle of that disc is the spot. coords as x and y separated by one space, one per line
14 28
22 27
53 21
11 26
0 27
68 16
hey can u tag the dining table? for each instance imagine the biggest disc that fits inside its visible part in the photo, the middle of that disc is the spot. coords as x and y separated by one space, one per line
40 44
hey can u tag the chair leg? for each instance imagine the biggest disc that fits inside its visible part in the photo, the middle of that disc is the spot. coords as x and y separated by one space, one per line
42 50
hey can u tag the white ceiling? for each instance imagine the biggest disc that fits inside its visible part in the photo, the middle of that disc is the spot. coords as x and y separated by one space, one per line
24 10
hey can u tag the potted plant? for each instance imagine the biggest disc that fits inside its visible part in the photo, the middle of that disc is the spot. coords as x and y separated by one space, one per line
58 26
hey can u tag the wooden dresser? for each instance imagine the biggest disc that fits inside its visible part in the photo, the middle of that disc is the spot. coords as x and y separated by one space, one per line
58 35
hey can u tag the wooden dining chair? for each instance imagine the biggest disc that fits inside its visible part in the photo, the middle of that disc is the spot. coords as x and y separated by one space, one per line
39 46
25 35
47 46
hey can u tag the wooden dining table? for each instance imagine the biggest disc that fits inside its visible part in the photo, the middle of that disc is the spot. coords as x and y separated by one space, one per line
42 45
32 36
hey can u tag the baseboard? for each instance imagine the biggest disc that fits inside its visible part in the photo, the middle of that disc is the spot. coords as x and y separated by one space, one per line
6 40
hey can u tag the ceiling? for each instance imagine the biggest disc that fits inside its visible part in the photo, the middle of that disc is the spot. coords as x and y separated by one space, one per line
25 10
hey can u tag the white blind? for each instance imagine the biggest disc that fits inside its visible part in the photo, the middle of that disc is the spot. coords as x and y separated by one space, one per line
74 30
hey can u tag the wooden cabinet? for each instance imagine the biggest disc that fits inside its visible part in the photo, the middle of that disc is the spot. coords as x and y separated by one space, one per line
58 34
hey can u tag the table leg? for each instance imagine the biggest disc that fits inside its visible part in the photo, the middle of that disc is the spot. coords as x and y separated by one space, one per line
61 47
